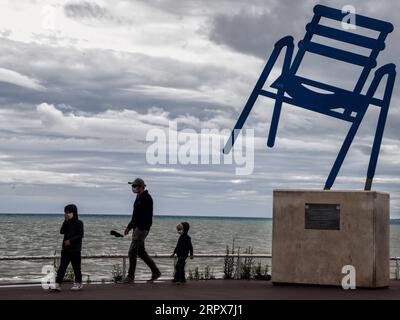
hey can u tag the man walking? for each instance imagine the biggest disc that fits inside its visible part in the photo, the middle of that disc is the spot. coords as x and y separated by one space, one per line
142 219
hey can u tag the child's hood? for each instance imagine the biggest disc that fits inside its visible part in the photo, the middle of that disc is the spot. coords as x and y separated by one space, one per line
185 226
74 209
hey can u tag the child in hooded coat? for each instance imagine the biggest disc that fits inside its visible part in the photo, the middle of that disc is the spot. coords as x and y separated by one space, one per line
182 250
72 229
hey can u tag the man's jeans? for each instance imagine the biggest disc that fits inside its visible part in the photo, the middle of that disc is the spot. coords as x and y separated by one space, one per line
137 249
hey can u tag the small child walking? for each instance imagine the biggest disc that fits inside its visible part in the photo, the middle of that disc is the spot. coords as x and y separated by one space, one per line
182 250
72 229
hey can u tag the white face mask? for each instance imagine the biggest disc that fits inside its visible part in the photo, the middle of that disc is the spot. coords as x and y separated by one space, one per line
180 231
135 190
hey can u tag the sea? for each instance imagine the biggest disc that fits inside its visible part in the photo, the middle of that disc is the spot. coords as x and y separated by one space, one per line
38 234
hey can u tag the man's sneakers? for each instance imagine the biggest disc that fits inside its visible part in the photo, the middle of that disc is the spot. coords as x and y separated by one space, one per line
155 276
77 286
178 282
127 280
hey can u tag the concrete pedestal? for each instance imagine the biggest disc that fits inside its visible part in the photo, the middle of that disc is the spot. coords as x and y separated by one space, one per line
316 233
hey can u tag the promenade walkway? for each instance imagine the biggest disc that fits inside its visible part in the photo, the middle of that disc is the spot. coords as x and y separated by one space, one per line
199 290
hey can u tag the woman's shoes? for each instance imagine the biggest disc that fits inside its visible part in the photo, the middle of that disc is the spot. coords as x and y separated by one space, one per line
56 287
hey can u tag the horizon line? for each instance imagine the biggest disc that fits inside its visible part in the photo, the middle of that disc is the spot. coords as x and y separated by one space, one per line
155 215
123 214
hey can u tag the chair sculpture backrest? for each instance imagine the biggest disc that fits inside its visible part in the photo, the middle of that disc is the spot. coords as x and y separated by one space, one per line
315 28
352 104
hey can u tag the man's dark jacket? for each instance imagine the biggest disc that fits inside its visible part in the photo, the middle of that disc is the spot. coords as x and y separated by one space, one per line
142 215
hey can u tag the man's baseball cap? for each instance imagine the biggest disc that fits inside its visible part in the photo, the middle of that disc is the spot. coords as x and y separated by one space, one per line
137 182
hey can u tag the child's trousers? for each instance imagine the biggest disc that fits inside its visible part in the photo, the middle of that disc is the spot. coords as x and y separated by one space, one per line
66 258
180 270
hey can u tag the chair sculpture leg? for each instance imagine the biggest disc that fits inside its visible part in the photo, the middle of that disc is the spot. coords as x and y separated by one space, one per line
288 42
278 102
275 119
390 70
376 147
343 150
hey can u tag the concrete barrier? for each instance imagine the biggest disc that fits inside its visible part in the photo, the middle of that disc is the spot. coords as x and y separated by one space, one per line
317 233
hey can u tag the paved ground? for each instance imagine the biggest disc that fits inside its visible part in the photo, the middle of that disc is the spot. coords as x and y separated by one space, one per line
199 290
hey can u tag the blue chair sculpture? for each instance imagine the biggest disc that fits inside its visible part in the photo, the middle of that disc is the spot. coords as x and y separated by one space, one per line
339 103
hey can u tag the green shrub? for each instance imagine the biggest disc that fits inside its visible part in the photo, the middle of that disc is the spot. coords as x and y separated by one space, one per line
116 273
261 273
229 262
198 275
246 268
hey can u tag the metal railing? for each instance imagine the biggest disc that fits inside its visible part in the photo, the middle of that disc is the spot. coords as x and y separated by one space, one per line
124 257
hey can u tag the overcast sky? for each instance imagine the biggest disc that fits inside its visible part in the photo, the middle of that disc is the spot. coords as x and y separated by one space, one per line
83 82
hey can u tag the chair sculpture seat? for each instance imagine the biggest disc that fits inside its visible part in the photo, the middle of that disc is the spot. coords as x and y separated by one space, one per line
335 102
300 92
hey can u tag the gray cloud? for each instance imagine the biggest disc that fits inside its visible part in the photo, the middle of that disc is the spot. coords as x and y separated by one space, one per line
255 31
10 76
89 10
205 7
85 10
96 80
